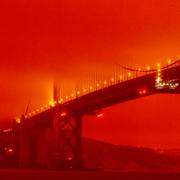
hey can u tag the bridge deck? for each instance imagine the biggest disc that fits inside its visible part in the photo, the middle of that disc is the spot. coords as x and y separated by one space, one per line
108 96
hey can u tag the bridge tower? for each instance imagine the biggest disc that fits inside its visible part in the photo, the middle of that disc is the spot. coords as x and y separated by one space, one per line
68 136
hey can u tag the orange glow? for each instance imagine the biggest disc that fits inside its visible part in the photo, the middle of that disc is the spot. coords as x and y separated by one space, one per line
148 68
7 130
158 65
46 106
112 79
69 158
90 87
169 61
60 101
18 120
29 114
84 90
129 74
120 77
142 91
10 150
63 114
158 79
51 103
100 115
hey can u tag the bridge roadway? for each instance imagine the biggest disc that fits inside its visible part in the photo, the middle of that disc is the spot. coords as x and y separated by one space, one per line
108 96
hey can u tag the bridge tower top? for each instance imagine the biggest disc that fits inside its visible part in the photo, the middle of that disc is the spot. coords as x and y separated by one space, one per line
56 92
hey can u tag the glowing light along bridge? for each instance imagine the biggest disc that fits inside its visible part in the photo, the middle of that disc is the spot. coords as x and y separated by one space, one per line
64 116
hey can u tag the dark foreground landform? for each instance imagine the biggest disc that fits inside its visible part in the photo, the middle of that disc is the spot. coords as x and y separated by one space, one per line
98 154
86 175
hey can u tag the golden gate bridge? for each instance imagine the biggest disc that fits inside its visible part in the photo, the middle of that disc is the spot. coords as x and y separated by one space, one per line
51 136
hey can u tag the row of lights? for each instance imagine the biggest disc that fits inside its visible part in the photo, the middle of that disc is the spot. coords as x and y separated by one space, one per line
105 83
159 82
148 68
167 85
61 100
91 88
158 78
30 114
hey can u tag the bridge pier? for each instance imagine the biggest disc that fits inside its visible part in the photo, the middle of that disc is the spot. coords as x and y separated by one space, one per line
68 132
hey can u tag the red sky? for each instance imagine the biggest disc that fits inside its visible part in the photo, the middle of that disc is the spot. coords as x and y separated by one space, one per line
69 41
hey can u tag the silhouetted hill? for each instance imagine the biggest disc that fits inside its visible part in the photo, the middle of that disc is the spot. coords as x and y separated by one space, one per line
108 156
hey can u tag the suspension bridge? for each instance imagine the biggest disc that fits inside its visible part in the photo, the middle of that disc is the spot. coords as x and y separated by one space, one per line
51 136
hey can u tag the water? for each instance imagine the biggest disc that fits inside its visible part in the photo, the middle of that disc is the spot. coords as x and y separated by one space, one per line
86 175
